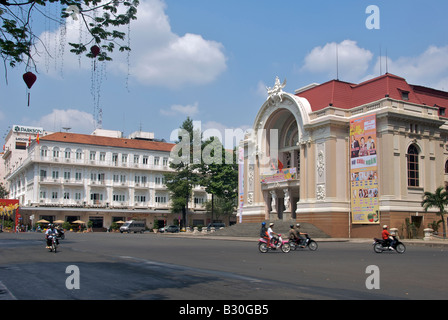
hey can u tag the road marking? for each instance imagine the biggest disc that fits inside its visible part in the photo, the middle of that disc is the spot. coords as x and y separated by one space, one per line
5 294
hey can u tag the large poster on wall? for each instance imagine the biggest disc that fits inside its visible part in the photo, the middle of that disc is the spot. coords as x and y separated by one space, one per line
9 208
364 171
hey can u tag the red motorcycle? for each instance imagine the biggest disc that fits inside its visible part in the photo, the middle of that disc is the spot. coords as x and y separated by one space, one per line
276 243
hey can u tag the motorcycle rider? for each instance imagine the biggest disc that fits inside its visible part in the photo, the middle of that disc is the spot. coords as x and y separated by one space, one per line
303 240
271 234
387 237
51 230
264 233
293 234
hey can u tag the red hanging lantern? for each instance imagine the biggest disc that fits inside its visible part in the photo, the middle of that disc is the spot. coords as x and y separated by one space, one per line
29 79
95 50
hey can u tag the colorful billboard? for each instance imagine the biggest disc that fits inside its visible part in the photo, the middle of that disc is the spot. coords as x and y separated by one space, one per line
281 175
364 171
9 208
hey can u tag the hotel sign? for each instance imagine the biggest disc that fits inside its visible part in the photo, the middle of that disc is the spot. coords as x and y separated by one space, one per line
364 171
29 130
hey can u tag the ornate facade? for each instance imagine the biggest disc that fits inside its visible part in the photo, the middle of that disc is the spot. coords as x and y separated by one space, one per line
298 163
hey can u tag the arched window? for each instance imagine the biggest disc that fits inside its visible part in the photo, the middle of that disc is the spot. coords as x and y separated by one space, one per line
67 153
413 171
55 152
44 152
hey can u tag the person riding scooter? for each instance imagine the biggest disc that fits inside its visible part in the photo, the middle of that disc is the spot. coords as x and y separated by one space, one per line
295 234
50 231
271 235
264 233
387 237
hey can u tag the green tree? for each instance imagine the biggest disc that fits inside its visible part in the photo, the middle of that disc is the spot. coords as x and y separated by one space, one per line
3 192
219 176
101 18
180 183
438 200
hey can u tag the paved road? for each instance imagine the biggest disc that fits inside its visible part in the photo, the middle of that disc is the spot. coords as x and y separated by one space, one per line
149 266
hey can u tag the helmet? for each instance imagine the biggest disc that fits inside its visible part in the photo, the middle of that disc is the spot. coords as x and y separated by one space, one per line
291 226
263 223
385 227
298 225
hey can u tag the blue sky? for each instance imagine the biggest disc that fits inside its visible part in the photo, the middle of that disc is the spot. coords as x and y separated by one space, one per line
211 60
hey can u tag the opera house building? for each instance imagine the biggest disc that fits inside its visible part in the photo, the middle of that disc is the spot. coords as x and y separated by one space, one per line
348 158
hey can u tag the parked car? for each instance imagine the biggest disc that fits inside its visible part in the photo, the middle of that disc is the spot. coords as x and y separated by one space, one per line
170 228
133 226
216 225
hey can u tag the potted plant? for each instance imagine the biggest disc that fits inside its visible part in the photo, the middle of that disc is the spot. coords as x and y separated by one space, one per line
155 227
90 225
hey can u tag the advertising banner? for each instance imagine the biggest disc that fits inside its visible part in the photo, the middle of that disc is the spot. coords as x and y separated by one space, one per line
281 175
9 208
240 184
364 171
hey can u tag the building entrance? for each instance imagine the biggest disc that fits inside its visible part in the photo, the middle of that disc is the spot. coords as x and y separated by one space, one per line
97 222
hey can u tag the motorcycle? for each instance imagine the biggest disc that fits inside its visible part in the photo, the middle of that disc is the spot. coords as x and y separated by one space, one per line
303 243
60 234
54 242
380 245
276 243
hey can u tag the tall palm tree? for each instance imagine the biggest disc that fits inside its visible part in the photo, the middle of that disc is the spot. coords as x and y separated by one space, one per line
439 200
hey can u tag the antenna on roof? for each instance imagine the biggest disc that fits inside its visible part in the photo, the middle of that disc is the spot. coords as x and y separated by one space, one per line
337 62
387 71
381 67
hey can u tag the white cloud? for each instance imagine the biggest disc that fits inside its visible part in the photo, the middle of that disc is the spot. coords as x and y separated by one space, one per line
352 62
176 109
261 90
428 69
158 57
78 121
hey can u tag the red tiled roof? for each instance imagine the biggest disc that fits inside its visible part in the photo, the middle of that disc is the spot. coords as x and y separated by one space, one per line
431 97
108 142
347 95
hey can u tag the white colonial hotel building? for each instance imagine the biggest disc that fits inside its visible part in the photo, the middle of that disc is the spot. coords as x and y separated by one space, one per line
101 177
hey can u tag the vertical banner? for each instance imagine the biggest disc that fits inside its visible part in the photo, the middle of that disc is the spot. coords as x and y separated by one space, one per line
9 208
240 184
364 171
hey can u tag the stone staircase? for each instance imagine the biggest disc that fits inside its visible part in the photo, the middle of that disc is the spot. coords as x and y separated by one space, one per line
282 227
